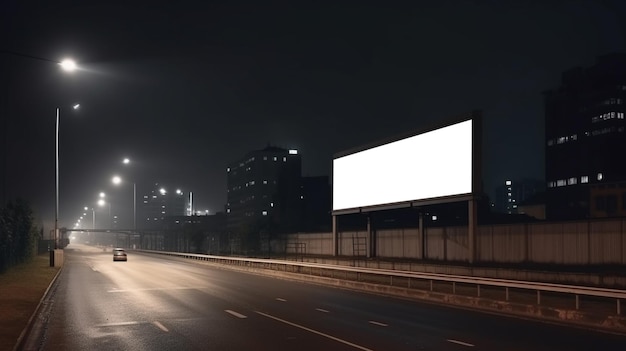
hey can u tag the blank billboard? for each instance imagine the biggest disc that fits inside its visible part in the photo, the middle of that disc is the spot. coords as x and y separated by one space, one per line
430 165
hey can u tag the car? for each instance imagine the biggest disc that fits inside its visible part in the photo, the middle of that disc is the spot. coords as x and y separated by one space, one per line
119 255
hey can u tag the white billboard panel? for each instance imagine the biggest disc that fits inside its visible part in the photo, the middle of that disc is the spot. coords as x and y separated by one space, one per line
425 166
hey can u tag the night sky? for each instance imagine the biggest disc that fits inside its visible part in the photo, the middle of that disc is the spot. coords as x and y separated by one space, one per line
184 88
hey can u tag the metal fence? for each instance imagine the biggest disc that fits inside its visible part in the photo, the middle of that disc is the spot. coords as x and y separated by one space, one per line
597 241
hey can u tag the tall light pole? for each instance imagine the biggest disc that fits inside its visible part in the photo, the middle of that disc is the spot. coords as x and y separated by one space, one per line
93 218
56 214
67 65
101 203
117 180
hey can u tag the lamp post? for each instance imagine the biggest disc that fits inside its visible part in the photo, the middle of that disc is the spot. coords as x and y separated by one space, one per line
69 66
118 180
102 202
93 218
56 212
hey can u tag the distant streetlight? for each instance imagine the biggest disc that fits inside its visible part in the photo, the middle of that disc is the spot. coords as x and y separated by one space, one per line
117 180
93 218
102 203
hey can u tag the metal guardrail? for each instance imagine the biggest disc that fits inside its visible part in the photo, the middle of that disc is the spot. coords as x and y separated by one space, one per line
507 285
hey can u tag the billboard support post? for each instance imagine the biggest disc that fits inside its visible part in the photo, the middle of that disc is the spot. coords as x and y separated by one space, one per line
370 247
335 239
471 230
420 236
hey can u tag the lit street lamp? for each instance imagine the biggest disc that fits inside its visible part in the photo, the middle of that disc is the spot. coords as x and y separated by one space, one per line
93 219
102 203
67 65
117 180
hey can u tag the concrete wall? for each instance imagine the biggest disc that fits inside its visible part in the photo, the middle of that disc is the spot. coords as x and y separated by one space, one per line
598 241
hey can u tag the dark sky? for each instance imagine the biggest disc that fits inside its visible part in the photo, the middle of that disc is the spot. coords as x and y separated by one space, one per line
184 88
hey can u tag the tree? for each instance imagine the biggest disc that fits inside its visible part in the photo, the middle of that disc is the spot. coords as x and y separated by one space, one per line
18 234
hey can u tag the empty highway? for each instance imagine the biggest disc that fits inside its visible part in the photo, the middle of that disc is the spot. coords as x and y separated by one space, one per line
163 303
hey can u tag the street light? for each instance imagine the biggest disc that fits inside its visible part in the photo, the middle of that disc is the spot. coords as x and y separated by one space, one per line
56 212
68 65
101 203
93 219
117 180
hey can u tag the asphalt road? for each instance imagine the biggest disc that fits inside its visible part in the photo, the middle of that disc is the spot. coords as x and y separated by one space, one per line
158 303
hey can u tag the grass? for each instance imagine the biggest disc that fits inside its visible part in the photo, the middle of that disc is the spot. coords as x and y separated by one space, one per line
21 289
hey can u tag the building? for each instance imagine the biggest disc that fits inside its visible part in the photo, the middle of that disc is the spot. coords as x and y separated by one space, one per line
585 137
513 192
158 202
264 192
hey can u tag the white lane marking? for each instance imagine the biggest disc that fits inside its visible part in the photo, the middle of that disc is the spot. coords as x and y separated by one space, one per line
120 324
155 289
322 310
460 342
160 326
280 299
315 331
379 324
238 315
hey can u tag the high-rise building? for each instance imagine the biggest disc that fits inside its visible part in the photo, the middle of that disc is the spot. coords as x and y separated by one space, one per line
585 137
264 191
158 202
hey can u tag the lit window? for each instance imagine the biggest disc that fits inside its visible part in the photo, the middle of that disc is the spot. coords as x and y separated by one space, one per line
293 152
560 140
271 204
228 169
275 158
509 194
561 182
264 213
508 182
584 179
514 206
572 181
434 218
600 176
264 158
284 159
620 115
265 182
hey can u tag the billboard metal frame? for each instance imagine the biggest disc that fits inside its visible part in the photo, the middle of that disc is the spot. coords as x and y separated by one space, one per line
471 198
476 118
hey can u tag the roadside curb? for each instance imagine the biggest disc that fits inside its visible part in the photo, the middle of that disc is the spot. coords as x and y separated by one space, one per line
26 333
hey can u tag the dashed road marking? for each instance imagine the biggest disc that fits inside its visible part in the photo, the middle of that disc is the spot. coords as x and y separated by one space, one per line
315 332
322 310
280 299
238 315
119 324
160 326
460 342
379 324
